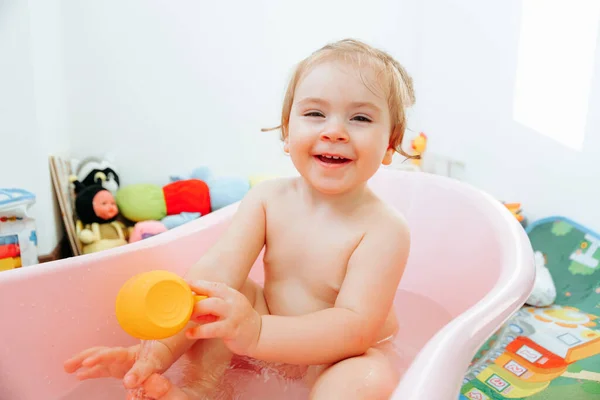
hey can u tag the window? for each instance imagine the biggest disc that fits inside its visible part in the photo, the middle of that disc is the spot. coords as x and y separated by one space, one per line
555 66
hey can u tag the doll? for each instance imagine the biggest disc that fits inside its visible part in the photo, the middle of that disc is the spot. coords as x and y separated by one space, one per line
97 225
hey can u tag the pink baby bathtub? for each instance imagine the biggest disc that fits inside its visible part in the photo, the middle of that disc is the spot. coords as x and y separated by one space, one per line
470 268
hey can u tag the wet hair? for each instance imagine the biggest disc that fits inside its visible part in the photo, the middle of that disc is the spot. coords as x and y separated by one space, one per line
392 76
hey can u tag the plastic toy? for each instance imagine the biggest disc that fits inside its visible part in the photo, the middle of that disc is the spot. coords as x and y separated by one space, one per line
18 238
155 305
418 146
516 210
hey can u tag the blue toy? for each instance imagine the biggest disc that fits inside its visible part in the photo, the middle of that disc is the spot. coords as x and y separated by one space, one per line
223 190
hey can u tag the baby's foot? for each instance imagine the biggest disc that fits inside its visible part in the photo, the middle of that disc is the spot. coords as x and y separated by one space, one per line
101 362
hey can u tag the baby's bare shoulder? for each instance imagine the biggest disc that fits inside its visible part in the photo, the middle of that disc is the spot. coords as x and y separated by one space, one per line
386 222
272 189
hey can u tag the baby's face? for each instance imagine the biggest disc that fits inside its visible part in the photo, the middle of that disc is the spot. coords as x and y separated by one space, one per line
339 127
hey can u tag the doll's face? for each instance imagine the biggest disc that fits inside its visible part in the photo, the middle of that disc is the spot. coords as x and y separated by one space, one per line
104 204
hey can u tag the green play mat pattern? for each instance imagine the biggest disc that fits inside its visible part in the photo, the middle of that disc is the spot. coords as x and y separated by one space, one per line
548 353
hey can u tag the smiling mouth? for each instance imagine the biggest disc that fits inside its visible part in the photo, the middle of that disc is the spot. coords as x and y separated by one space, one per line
332 159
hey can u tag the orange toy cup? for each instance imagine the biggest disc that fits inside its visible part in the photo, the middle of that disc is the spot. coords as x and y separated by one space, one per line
155 305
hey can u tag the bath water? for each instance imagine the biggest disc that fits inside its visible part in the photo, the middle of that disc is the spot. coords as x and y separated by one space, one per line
419 319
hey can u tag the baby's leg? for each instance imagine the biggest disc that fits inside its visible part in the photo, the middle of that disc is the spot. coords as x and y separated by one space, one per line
198 374
369 376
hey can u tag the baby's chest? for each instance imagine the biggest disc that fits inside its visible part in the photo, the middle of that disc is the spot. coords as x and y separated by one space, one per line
315 253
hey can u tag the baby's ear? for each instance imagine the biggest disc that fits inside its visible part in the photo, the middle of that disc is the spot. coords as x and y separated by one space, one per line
286 145
388 156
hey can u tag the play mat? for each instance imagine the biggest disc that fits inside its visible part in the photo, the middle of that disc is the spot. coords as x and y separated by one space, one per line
548 353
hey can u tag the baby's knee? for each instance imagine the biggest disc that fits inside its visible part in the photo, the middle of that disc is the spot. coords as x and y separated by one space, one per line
369 376
379 383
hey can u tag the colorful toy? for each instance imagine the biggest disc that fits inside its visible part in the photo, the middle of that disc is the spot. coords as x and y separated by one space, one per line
418 146
18 238
145 229
516 210
155 305
143 202
223 190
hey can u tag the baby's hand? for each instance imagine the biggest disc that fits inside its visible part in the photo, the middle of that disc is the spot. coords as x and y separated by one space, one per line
121 363
102 362
226 314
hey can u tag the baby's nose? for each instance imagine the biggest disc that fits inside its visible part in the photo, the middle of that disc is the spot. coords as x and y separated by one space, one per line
335 134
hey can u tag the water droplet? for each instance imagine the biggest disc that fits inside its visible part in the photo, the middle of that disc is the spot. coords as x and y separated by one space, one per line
70 278
22 304
89 269
33 305
97 329
72 317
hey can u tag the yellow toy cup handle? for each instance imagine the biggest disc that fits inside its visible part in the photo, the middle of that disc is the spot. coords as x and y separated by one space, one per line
198 298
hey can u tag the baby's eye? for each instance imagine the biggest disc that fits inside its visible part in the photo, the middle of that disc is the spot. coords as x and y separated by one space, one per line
314 114
361 118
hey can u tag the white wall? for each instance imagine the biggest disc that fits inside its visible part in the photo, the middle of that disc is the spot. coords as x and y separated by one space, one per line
467 59
32 107
191 83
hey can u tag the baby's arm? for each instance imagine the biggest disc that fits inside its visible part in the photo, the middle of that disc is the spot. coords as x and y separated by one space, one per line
362 306
228 261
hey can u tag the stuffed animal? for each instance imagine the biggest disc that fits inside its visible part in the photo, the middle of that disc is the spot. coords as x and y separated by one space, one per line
144 201
223 190
92 170
145 229
544 290
173 221
97 226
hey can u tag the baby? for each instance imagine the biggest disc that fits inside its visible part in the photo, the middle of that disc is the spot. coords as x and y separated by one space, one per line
334 252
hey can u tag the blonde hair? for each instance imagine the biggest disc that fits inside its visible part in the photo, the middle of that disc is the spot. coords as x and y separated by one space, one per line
399 84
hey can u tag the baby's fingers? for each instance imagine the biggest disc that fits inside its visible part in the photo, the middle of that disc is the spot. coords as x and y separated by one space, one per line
211 289
97 371
213 306
74 363
140 371
107 355
219 329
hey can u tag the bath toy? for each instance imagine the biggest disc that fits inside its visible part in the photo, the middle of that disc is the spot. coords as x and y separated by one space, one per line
418 146
155 305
